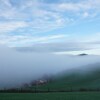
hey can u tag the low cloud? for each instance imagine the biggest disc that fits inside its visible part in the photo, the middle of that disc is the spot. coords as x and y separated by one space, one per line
58 47
17 68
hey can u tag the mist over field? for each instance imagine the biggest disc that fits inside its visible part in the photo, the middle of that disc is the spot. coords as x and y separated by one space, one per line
18 67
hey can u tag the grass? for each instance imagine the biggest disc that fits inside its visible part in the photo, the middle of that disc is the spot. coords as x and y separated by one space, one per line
51 96
73 81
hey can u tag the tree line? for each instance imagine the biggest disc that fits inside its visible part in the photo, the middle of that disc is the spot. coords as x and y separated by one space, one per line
17 90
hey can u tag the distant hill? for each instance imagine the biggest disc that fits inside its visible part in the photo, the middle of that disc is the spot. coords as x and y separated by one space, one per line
83 54
74 80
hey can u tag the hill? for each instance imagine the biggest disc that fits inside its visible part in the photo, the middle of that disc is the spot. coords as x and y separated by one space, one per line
75 80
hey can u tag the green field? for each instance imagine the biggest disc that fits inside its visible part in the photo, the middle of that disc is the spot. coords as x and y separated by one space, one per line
51 96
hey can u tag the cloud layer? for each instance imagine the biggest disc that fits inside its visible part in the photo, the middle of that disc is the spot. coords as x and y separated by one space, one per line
17 68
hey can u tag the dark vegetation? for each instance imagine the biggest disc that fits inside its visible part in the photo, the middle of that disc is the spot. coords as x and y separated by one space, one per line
83 54
73 82
51 96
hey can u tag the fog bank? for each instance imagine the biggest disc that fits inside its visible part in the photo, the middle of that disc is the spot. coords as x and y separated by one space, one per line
17 67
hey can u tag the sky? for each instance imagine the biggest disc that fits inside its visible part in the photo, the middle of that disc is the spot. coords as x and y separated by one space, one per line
25 23
40 37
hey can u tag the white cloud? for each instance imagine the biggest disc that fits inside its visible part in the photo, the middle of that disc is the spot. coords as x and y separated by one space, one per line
41 17
29 40
44 16
62 48
81 5
47 16
80 9
11 26
68 7
85 14
90 52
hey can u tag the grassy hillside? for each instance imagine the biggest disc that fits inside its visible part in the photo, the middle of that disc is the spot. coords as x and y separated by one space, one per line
75 81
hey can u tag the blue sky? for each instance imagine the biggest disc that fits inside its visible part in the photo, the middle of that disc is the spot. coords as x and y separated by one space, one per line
29 22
